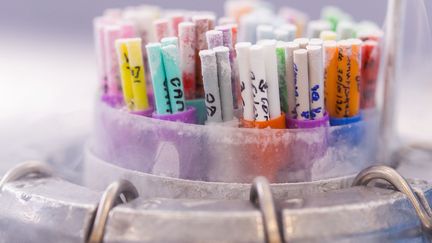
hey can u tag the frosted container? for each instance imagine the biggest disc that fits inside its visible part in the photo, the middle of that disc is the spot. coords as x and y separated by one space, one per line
229 154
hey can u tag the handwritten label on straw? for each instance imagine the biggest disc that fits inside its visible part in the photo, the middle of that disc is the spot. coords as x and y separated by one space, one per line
211 86
259 83
178 93
343 82
261 105
211 109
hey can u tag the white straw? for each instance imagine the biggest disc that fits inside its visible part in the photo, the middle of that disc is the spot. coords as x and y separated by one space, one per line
289 62
224 77
272 78
211 86
302 84
259 84
245 79
316 81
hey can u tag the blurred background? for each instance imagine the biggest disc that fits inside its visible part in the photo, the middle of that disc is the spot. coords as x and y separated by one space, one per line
74 17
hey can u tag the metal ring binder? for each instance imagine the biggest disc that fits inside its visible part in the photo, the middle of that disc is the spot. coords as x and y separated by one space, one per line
48 205
110 198
24 169
390 175
262 197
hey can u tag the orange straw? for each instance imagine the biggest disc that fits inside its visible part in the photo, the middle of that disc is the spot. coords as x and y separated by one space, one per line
330 76
343 83
354 92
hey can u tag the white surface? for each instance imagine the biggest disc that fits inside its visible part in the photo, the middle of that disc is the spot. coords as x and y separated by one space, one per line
44 76
47 89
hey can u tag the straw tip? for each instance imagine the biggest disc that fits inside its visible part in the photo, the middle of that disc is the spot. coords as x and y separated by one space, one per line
301 40
256 47
315 41
121 41
293 44
268 43
169 39
243 45
153 44
204 53
202 17
186 24
371 43
300 51
313 47
344 43
330 43
223 28
161 21
213 32
221 49
354 41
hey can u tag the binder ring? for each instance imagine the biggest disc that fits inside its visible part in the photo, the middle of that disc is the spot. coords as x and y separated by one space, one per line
110 198
417 198
26 168
262 198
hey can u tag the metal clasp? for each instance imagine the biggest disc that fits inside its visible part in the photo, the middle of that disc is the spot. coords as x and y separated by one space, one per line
110 198
262 198
416 197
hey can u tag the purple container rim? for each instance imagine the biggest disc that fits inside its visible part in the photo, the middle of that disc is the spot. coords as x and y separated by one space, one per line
147 113
308 124
112 100
188 116
153 117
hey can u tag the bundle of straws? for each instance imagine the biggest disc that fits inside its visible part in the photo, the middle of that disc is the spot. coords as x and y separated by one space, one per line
252 67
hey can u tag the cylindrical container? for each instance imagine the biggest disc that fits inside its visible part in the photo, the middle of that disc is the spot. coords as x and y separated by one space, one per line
181 150
286 147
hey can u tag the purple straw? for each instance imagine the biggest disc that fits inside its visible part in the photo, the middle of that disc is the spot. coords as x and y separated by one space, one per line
294 123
